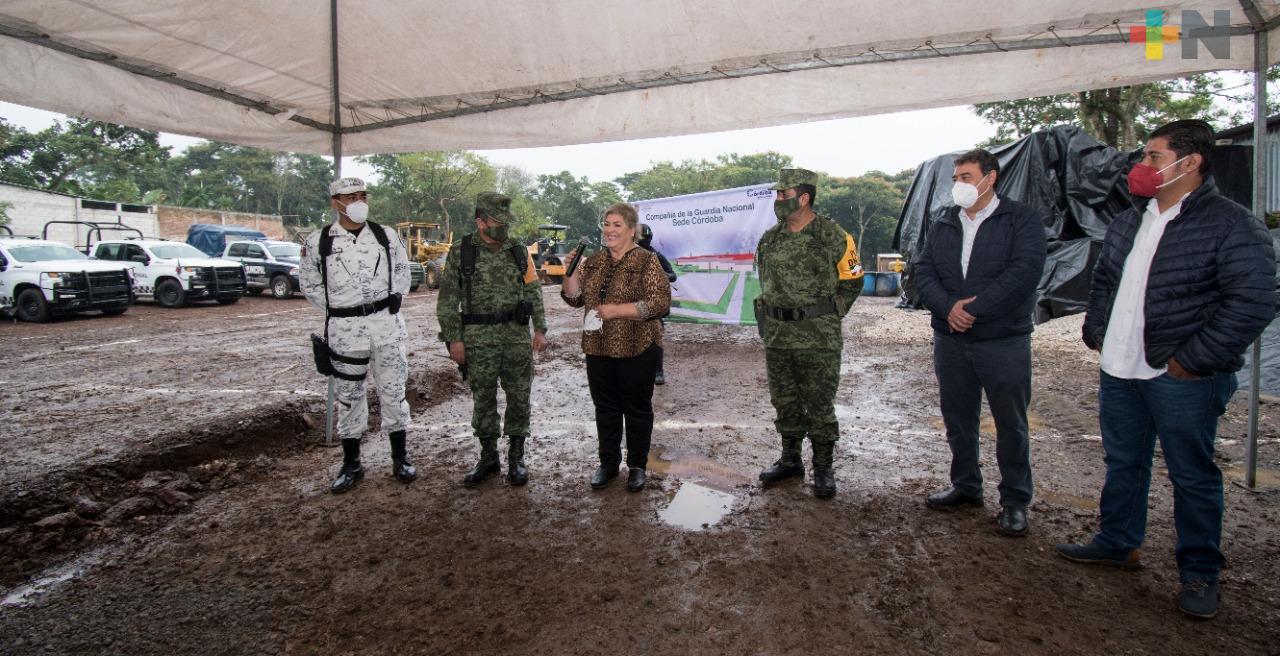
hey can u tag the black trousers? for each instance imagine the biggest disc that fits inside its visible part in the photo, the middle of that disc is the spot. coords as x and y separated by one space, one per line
622 388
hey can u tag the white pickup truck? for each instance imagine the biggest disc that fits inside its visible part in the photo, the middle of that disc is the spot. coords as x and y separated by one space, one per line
174 273
41 279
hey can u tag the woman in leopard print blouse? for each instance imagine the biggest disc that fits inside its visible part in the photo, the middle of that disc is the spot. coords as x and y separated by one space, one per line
625 293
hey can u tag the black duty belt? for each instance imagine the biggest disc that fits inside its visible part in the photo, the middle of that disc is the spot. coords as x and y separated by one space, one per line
801 313
361 310
510 316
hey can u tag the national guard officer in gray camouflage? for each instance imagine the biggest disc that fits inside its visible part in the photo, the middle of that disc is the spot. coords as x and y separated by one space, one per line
489 292
810 276
360 284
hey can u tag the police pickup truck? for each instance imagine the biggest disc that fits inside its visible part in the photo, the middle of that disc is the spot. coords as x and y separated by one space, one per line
268 264
173 273
40 279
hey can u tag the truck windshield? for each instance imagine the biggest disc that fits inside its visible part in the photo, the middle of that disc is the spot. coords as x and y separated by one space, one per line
175 251
45 252
286 250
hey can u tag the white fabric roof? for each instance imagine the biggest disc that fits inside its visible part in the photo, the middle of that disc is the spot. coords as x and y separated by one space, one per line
434 74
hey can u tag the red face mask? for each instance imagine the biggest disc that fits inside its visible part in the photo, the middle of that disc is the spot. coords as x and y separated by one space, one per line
1146 180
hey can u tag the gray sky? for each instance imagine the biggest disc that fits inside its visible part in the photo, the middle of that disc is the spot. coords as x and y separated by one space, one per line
844 147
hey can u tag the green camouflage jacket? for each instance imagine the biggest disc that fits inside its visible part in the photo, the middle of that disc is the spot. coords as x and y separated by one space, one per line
497 286
811 267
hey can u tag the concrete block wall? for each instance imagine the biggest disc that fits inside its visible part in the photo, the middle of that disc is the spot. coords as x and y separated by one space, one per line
31 209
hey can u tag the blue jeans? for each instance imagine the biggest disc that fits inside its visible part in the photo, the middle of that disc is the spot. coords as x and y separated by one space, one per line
1184 415
1002 369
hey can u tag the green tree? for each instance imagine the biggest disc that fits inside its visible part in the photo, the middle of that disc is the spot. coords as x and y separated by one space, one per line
84 158
574 202
239 178
1122 116
437 186
665 179
867 207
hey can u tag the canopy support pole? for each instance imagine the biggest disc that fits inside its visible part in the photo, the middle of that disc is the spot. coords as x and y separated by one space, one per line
337 173
1260 209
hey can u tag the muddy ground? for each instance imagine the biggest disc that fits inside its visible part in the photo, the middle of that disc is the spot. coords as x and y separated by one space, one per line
164 492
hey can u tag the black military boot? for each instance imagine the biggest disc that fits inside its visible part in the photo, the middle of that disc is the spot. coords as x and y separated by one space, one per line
788 466
517 471
487 466
824 475
351 472
401 468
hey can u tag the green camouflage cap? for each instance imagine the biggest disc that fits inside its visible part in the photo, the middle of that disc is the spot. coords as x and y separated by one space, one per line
792 178
495 206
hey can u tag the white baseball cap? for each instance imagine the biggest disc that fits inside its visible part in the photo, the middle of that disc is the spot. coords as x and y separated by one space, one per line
346 186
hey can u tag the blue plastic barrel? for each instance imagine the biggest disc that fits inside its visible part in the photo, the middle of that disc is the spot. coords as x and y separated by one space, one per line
868 283
887 283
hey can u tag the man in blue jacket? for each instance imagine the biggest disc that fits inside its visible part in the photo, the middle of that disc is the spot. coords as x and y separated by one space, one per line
1185 281
977 273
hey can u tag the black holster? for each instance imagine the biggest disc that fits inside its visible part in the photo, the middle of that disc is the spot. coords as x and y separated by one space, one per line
524 312
393 303
320 350
758 306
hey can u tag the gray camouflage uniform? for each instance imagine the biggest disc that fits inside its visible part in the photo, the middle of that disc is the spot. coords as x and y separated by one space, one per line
358 275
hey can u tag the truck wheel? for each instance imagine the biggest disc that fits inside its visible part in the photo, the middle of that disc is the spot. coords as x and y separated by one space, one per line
32 306
431 276
229 301
114 311
281 287
170 294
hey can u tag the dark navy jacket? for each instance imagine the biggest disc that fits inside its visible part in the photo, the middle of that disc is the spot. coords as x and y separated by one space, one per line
1004 269
1212 287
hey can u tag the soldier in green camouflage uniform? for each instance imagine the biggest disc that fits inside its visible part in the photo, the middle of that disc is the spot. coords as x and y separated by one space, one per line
484 318
810 276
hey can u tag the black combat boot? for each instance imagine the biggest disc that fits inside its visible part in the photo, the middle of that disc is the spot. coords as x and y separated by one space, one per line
351 472
517 471
487 466
824 475
401 468
788 466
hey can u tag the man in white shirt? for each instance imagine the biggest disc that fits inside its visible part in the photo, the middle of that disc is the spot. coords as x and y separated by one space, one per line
977 273
1184 282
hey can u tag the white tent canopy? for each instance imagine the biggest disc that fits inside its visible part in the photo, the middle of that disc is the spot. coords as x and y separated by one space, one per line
426 75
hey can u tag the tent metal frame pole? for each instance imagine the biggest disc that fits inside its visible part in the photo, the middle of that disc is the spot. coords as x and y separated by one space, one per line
337 173
1260 209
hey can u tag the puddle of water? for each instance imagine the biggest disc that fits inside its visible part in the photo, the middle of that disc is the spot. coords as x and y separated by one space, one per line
693 467
53 578
695 507
1069 500
1265 477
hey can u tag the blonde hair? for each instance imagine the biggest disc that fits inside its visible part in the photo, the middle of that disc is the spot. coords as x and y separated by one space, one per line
629 217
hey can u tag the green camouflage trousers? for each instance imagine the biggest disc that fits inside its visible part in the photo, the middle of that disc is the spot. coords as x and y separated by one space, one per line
802 386
512 365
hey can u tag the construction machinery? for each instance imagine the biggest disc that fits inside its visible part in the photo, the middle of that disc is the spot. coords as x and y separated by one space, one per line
427 244
548 252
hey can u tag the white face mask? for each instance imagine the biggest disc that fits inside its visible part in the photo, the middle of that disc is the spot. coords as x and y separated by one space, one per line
1166 184
358 211
966 195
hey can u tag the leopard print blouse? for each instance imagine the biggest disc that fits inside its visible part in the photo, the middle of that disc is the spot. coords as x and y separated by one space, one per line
636 278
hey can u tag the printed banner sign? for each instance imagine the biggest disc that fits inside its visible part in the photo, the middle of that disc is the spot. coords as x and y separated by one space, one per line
710 239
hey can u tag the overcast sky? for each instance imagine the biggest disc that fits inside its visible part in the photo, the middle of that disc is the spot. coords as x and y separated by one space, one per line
845 147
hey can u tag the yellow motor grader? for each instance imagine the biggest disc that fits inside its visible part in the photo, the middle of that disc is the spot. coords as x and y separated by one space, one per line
428 244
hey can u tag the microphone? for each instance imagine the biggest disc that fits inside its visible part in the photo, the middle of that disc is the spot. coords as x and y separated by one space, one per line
577 256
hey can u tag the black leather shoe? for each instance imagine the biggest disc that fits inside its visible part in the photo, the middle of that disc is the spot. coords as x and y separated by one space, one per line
824 481
1199 599
635 479
517 471
952 499
1012 521
603 475
487 466
348 477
